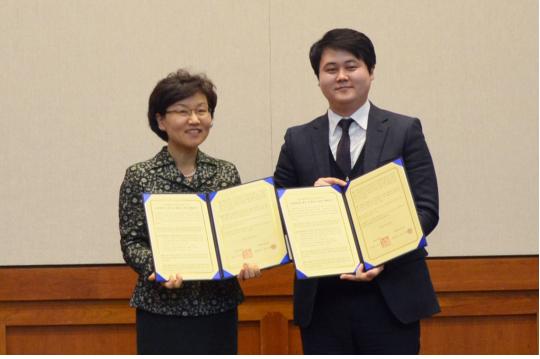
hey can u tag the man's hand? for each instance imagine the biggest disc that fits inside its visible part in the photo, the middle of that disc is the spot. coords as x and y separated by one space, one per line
249 271
361 276
328 181
172 283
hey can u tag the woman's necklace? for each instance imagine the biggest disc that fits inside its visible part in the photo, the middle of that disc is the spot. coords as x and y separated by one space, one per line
191 174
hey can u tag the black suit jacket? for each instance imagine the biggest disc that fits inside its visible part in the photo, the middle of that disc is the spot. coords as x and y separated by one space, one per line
405 283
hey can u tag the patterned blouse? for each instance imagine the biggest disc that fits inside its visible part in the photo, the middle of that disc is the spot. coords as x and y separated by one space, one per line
160 175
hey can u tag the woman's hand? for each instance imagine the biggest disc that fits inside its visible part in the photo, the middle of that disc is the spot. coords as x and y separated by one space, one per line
361 276
329 181
172 283
249 271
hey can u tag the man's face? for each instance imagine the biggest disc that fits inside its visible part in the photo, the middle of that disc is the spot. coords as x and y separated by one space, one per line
344 81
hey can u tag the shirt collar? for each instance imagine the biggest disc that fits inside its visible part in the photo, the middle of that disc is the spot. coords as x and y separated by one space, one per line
360 116
164 165
164 158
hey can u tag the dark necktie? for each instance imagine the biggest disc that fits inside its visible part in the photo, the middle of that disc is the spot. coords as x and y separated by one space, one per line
343 155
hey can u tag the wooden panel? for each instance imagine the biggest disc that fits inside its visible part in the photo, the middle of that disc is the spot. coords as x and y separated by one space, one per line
255 308
484 274
480 335
116 281
274 334
66 282
249 338
295 340
280 283
3 338
70 339
489 306
66 313
488 303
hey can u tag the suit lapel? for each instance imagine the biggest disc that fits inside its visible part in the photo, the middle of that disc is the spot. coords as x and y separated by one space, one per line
320 144
375 137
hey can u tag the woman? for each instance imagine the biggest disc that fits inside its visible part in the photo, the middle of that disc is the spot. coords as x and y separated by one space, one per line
176 317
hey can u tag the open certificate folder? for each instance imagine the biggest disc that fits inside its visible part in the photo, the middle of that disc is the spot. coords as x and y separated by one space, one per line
331 230
210 236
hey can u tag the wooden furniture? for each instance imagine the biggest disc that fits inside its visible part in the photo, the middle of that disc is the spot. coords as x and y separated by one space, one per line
489 306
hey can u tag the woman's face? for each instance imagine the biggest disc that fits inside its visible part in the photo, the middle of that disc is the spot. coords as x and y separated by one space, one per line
187 122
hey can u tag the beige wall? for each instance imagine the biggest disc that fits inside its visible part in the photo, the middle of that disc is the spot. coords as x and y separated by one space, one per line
77 75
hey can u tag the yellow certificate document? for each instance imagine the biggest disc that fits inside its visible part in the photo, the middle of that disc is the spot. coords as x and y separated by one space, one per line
384 214
319 231
210 236
181 236
248 226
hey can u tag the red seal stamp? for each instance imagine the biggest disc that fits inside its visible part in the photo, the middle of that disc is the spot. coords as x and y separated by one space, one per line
385 241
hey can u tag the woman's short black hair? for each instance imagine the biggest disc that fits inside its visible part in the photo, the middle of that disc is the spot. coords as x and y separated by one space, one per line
349 40
176 87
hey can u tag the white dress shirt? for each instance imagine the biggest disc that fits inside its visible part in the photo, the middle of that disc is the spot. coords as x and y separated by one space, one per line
357 131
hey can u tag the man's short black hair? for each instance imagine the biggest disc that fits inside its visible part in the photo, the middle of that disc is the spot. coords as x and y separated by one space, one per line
175 87
349 40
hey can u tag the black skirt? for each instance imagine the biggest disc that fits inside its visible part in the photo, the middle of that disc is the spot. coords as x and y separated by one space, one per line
169 334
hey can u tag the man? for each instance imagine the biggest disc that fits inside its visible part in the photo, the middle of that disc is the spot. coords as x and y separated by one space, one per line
375 311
